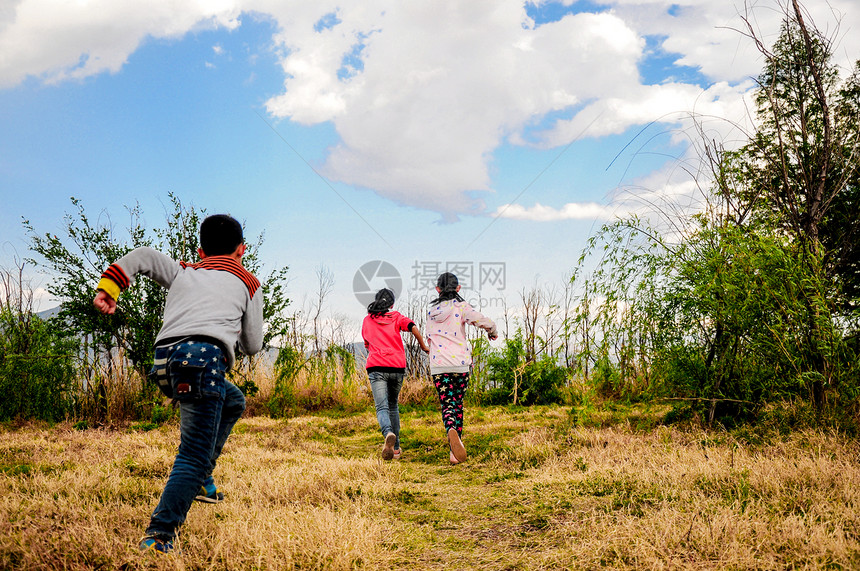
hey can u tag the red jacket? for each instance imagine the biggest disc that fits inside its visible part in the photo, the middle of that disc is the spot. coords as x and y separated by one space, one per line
381 334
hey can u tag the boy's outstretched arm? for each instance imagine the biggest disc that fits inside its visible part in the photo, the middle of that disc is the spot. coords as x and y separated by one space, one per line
417 333
120 274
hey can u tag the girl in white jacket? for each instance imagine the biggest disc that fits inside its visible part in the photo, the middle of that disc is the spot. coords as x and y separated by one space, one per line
451 355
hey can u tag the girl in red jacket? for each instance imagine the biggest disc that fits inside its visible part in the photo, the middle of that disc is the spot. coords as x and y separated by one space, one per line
386 364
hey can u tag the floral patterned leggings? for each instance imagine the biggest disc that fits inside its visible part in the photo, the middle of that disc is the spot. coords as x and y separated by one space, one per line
452 388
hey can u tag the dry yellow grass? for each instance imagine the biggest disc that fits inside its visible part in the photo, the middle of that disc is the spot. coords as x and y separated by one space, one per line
538 492
322 384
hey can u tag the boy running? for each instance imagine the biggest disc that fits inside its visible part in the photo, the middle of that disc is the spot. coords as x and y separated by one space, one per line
212 307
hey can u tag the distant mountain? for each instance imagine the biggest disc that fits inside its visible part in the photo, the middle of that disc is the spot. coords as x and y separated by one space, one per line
358 351
48 313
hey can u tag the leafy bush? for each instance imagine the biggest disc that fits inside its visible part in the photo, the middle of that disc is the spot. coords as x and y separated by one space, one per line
515 379
288 364
37 373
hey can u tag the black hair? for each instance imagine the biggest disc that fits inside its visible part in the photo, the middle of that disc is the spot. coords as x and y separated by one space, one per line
447 284
383 301
220 234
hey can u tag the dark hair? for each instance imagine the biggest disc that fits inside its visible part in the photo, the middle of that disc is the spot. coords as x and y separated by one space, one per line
220 234
382 303
447 284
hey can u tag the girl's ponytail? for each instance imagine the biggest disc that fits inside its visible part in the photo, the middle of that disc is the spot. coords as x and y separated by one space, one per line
382 303
447 284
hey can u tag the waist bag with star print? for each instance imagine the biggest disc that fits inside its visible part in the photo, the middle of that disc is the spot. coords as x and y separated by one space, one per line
189 370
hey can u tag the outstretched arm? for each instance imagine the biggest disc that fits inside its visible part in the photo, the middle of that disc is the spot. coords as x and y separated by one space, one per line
417 334
120 274
479 320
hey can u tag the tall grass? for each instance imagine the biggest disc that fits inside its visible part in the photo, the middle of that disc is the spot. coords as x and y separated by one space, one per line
297 384
115 394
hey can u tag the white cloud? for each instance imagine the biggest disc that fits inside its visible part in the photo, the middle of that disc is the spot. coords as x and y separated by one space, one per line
709 35
678 104
67 40
443 85
423 93
666 193
570 211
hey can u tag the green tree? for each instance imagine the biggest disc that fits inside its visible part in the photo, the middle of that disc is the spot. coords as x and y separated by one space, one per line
756 300
75 263
799 173
719 319
753 304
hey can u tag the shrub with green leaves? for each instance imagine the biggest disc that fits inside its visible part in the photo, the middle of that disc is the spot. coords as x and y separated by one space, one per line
517 379
37 372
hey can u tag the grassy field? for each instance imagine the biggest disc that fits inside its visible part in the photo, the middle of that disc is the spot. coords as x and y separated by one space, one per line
539 491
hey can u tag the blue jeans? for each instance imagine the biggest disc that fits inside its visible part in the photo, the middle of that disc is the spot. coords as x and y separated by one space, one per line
386 390
209 406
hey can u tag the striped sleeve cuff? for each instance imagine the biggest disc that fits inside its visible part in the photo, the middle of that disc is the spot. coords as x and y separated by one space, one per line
110 287
117 275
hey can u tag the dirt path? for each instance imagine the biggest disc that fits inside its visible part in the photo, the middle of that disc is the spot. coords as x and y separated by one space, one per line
468 516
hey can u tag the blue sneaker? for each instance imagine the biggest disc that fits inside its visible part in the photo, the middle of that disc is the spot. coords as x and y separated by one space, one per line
209 495
156 545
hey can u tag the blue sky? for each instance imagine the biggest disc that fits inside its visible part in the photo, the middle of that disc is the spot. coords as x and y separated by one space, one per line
432 131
